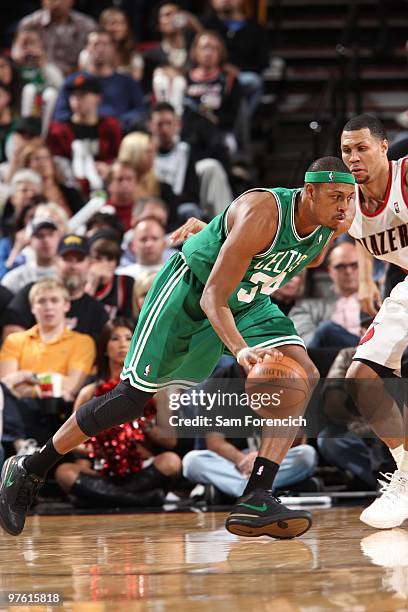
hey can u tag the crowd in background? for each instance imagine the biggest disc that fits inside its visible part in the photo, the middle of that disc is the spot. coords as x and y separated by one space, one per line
116 125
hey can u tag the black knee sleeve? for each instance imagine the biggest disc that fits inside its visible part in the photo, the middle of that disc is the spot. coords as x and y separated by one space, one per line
121 405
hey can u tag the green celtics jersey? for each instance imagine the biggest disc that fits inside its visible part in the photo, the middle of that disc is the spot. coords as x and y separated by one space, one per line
286 257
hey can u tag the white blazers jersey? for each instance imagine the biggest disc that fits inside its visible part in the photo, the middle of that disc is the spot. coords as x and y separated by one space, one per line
385 233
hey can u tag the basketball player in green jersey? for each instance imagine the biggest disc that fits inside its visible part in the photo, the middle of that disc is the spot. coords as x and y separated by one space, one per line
211 297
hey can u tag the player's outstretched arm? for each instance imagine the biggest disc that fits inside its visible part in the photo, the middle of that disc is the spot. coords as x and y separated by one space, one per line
368 293
190 227
254 220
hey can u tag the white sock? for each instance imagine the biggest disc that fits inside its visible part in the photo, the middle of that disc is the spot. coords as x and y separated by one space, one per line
397 453
403 462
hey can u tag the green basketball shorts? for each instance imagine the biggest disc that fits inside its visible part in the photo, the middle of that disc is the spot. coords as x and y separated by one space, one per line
175 344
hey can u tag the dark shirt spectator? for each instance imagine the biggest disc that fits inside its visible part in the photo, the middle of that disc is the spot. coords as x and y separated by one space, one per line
122 96
246 40
114 291
91 142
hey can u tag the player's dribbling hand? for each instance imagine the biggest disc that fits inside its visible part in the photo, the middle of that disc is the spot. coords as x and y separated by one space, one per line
369 298
190 227
248 357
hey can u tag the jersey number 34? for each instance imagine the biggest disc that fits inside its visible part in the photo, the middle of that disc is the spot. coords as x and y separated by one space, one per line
264 283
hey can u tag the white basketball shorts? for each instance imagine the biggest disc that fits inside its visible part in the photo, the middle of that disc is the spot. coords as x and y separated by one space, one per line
387 337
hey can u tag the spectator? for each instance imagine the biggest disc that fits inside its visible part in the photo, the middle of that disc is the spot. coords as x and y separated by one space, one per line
48 348
22 251
246 42
7 123
140 290
131 480
101 221
63 31
122 188
24 185
180 165
5 298
12 245
127 59
227 465
148 245
169 60
173 162
334 321
44 242
86 314
212 100
114 291
41 80
143 208
86 138
25 129
36 156
122 96
287 296
137 149
10 76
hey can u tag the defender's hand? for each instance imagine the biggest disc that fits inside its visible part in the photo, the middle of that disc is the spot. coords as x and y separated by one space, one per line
369 297
190 227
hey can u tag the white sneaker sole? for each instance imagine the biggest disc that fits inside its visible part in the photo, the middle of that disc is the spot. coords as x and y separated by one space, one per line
381 524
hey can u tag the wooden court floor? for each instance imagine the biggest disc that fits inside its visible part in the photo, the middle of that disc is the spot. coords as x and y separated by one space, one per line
187 561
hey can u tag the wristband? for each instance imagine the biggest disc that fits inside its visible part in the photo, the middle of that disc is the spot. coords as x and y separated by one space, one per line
238 355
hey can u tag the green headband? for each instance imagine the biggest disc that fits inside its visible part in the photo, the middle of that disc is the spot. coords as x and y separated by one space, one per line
329 176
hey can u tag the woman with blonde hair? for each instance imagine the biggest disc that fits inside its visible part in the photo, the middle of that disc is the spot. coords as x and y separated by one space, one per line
36 156
137 150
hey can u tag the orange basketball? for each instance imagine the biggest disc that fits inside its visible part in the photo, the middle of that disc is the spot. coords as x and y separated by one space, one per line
283 379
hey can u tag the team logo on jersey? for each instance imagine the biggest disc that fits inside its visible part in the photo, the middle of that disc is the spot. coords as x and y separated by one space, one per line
369 334
331 176
147 369
320 238
396 208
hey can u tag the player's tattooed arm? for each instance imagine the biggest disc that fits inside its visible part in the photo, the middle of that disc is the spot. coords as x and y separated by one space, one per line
253 222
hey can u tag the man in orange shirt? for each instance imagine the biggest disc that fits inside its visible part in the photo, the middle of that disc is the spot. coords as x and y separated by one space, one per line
47 348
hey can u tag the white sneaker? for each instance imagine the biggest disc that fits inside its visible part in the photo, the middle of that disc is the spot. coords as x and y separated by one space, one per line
391 509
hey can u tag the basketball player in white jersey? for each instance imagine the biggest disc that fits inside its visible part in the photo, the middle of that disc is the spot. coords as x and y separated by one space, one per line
380 228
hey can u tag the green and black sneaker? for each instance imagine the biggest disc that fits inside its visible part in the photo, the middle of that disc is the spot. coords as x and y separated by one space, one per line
260 513
17 492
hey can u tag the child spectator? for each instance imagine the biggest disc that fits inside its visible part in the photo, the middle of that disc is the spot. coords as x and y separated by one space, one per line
114 291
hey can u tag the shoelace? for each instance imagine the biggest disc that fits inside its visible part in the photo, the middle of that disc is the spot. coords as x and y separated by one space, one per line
395 482
270 494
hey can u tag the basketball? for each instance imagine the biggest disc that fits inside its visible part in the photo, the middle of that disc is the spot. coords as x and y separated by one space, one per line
283 379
